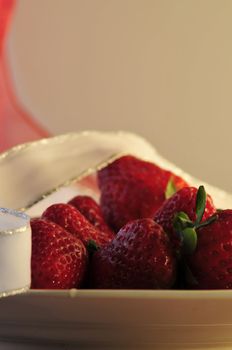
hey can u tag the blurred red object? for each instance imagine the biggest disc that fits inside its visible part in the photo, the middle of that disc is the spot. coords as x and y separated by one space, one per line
16 125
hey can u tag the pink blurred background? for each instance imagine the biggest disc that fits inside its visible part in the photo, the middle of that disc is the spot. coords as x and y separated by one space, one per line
159 68
16 125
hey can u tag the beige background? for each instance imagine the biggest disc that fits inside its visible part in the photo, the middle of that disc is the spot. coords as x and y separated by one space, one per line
161 68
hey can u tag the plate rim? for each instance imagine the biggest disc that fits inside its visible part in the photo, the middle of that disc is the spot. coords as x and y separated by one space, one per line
160 294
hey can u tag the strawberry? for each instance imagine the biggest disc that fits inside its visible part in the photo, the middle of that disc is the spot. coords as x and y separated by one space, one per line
131 189
139 257
206 244
92 211
210 264
58 260
182 201
74 222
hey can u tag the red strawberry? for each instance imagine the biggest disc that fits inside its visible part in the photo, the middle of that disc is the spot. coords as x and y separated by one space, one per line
211 262
92 211
139 257
131 189
73 221
182 201
58 258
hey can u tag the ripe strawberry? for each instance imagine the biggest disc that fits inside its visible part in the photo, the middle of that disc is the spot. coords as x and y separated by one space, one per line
139 257
92 211
58 258
211 263
132 188
73 221
182 201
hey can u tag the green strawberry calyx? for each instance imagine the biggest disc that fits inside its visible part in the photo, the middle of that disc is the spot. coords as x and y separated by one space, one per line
170 189
187 228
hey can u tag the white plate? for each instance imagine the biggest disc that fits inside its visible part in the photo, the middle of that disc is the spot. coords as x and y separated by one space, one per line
120 319
95 318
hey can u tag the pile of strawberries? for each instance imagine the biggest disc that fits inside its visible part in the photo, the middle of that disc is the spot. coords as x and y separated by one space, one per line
150 231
